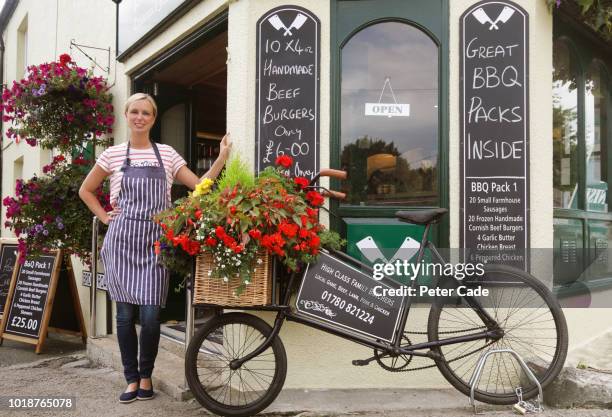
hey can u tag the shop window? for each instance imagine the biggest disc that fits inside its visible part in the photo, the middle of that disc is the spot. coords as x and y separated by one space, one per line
581 158
596 132
565 127
389 116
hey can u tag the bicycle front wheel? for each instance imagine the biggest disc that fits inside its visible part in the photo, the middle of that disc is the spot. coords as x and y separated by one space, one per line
247 390
533 324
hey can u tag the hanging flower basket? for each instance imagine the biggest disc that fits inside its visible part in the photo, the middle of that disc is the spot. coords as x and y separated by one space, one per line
47 213
59 105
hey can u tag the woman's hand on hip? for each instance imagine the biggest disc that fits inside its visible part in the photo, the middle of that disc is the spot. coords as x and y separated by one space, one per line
110 215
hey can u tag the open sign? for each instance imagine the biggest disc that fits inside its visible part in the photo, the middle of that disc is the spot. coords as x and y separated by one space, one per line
387 109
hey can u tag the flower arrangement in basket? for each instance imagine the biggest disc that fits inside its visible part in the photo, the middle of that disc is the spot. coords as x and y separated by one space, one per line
243 221
58 105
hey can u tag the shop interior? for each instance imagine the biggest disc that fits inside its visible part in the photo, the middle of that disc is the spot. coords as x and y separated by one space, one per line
189 85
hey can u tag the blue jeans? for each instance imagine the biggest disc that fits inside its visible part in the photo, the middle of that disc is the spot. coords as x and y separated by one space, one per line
128 341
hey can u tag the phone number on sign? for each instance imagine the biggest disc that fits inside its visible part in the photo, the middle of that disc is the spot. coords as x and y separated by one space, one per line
348 307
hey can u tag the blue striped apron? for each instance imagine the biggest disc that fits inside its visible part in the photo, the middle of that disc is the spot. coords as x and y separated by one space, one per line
133 274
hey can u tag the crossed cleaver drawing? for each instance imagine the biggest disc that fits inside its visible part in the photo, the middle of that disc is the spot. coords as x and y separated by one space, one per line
483 18
372 253
297 23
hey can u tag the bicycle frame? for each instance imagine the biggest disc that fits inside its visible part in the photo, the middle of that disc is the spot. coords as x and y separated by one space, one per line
394 349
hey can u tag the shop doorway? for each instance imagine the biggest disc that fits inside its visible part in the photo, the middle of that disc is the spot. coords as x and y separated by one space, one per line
189 84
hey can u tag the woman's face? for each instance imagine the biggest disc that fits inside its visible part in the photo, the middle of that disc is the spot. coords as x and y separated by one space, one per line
140 116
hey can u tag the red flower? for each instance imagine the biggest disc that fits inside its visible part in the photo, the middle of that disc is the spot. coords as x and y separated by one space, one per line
314 198
65 59
255 234
220 232
284 160
211 241
238 249
288 229
233 209
301 182
198 214
315 241
157 247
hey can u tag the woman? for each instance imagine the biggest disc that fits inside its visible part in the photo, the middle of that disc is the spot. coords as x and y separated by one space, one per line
141 174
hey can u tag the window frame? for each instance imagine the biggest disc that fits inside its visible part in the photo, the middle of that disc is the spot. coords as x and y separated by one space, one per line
432 18
586 49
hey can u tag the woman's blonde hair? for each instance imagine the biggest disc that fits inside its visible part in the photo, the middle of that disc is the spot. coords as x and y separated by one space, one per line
140 96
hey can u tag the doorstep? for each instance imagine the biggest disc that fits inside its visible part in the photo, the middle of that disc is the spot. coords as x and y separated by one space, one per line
169 373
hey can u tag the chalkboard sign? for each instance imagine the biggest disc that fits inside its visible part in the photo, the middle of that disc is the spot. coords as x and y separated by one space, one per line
287 102
30 300
30 296
494 90
8 257
343 296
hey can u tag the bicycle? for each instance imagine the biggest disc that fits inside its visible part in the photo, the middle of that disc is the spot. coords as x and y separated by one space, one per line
236 363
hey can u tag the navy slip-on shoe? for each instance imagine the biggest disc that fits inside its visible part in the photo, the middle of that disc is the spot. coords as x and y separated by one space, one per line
128 397
146 394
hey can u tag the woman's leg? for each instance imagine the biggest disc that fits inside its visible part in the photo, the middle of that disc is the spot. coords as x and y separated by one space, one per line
149 338
128 342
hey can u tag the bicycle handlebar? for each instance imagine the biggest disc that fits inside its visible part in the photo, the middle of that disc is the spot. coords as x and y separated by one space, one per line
334 194
333 173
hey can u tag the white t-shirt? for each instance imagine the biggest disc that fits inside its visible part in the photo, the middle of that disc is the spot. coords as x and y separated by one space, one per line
112 159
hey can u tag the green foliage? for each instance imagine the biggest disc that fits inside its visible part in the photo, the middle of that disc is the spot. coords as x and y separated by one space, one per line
236 173
595 13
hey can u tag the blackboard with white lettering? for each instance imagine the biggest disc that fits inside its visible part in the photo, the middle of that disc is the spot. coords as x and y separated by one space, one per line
287 102
8 256
495 133
29 298
334 292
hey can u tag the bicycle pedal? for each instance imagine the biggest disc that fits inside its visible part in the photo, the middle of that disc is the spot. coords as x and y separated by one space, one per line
360 362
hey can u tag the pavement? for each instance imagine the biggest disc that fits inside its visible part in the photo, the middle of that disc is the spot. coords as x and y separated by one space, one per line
64 370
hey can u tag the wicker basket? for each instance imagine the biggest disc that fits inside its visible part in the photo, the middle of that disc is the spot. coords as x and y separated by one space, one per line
212 290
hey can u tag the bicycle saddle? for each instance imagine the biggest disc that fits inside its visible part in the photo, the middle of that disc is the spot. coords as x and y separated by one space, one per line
421 216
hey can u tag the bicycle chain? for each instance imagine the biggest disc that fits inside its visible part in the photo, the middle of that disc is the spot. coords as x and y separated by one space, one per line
448 361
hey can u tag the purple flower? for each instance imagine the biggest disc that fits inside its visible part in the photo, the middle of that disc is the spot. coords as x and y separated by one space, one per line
558 3
58 219
60 226
38 228
18 186
45 232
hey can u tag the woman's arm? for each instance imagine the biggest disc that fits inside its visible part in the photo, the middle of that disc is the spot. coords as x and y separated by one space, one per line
187 177
87 193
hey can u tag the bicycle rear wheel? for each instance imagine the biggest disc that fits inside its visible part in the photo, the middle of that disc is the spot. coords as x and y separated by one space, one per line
247 390
533 323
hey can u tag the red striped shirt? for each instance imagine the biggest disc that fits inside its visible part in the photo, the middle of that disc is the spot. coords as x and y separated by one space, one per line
112 159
